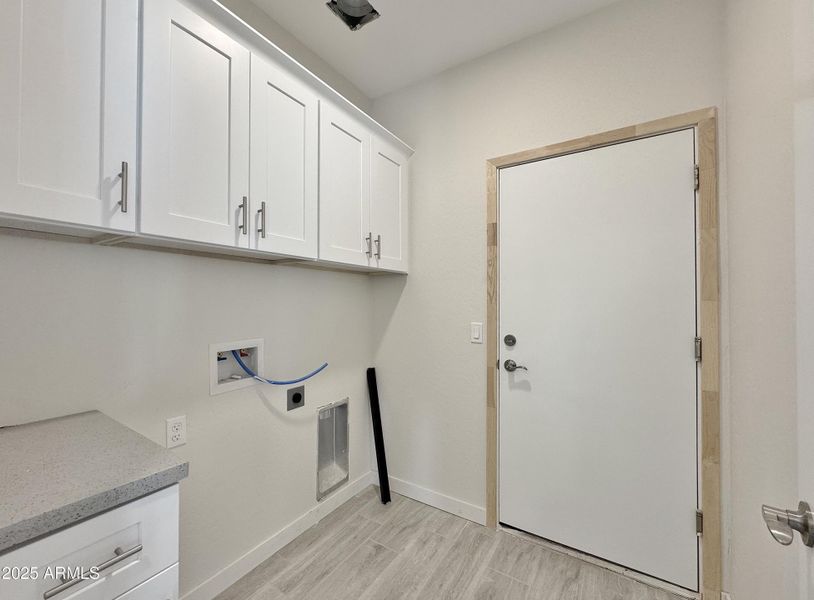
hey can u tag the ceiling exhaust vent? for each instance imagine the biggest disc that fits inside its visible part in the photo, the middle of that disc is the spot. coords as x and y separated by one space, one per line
354 13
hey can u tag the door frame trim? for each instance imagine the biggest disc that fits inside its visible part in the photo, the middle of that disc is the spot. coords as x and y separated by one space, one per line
705 123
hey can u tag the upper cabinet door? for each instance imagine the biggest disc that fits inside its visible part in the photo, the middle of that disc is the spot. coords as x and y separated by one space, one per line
344 190
195 129
284 162
68 110
388 206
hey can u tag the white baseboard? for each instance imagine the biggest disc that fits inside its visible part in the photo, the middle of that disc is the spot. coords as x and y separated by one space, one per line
438 500
231 573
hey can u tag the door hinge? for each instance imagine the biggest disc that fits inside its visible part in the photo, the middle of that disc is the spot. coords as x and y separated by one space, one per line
697 178
699 522
698 350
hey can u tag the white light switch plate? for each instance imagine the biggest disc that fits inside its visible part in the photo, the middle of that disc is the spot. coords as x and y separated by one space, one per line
476 333
726 596
176 431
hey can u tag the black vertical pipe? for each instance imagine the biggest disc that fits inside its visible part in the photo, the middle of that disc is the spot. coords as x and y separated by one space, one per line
378 435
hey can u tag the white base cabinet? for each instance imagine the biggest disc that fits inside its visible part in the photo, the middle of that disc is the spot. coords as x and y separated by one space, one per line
163 586
130 545
68 112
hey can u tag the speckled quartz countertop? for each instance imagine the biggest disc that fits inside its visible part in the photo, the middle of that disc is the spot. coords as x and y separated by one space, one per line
57 472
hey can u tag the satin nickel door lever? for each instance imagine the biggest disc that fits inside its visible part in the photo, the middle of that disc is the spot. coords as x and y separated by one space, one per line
783 523
512 366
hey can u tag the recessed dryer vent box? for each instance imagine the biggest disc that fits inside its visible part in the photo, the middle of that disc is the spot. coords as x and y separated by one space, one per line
332 448
225 374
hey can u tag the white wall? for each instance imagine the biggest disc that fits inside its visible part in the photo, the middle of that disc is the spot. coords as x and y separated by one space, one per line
128 331
634 61
804 255
760 159
631 62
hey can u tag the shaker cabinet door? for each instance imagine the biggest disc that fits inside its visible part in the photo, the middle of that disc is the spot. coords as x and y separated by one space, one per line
195 129
344 190
284 162
68 111
388 206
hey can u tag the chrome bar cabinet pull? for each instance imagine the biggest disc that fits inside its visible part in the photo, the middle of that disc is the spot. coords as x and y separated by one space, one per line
124 176
244 208
369 244
262 213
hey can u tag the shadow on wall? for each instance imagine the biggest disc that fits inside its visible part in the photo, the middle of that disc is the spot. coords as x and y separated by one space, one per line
388 290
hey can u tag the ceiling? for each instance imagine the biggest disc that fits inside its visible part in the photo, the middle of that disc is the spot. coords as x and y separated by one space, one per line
414 39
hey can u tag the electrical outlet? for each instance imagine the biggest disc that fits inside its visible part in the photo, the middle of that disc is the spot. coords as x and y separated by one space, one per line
296 397
176 431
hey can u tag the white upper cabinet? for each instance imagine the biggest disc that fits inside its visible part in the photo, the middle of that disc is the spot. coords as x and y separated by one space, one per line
195 129
284 162
217 138
363 195
344 189
68 111
388 206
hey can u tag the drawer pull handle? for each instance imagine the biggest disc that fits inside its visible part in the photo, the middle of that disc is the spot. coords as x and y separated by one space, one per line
120 556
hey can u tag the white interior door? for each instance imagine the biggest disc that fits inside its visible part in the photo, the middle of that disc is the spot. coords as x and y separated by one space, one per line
68 110
598 436
344 188
284 162
388 206
195 129
804 256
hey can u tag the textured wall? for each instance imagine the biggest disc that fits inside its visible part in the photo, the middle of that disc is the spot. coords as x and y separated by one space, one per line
760 162
631 62
128 331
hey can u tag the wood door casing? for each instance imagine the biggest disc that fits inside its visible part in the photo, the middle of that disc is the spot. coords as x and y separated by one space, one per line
705 123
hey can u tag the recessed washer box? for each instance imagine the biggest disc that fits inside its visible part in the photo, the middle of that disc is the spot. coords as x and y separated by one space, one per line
225 374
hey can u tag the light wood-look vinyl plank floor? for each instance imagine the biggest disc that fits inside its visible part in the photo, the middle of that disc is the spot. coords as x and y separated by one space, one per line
409 551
